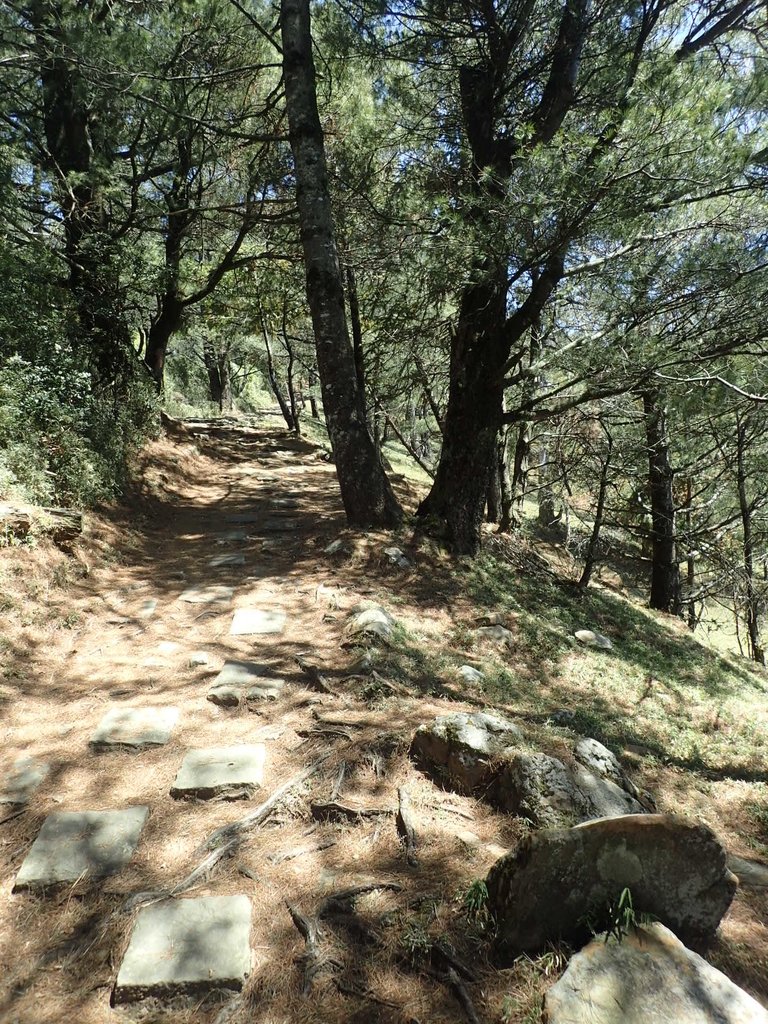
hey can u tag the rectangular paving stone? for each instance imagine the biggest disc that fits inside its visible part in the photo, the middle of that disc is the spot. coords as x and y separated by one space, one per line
207 595
76 844
247 621
135 727
231 536
240 673
219 561
220 771
191 946
279 525
22 780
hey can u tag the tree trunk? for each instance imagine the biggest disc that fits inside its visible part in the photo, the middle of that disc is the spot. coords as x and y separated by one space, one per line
751 595
219 381
365 490
161 330
73 140
274 383
665 571
597 525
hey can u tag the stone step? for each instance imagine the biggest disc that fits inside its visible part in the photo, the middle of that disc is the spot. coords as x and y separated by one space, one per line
230 772
134 728
189 946
73 845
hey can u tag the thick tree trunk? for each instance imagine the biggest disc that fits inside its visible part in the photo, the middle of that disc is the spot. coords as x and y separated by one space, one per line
665 570
365 490
219 379
77 162
751 594
161 330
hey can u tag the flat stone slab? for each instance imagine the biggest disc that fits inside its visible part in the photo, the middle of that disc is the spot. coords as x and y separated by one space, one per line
752 874
22 781
208 595
76 844
231 536
219 561
191 946
247 621
279 525
246 518
135 728
220 771
240 673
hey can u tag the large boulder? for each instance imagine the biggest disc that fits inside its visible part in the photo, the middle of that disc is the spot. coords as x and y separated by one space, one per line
551 794
560 883
649 977
461 750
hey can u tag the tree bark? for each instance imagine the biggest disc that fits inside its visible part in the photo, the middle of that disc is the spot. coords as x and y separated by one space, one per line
597 525
365 490
665 570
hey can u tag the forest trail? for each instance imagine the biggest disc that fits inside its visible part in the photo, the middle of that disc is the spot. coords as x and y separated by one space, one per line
112 628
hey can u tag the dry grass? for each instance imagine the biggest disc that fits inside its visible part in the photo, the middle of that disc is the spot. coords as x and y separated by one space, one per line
74 642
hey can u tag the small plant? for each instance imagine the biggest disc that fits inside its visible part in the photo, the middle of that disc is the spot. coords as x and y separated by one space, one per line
475 903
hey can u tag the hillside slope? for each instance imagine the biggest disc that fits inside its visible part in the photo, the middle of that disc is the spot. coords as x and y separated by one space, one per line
105 626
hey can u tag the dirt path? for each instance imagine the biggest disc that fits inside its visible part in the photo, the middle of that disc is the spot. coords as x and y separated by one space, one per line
119 636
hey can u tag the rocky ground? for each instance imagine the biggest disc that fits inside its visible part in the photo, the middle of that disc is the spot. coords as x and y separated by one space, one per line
209 704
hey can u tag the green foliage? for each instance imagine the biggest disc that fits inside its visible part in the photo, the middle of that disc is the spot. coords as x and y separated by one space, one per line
475 903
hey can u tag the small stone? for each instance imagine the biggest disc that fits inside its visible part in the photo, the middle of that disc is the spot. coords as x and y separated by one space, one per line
188 946
198 658
334 547
289 503
75 844
231 536
396 557
207 595
248 621
220 771
498 633
470 675
22 781
135 728
648 977
147 609
589 638
220 561
370 620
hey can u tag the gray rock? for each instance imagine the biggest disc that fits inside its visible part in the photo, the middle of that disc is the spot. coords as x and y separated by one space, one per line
396 557
551 794
649 977
240 673
220 771
249 621
334 547
498 633
198 658
279 525
77 844
221 561
244 518
134 728
22 781
752 874
589 638
231 536
599 760
188 946
370 621
470 675
461 749
557 880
